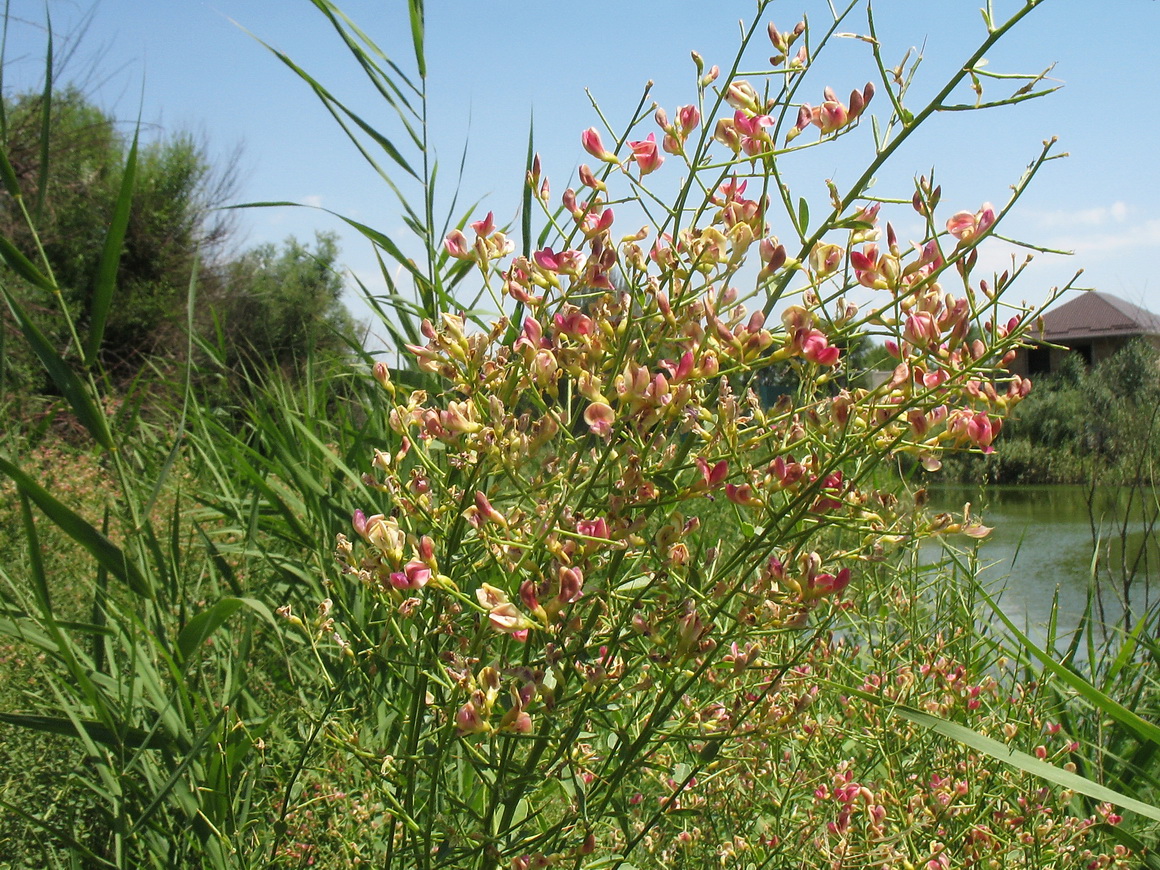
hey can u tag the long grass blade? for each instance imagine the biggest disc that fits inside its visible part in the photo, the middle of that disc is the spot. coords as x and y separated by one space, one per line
35 560
45 122
1101 701
133 738
60 371
76 527
1024 762
111 256
526 201
373 235
382 81
336 106
415 8
3 66
202 626
21 265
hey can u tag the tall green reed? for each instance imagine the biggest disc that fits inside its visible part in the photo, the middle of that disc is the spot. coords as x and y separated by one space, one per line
156 698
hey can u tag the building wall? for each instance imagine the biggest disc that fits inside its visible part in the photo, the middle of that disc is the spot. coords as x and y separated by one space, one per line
1095 351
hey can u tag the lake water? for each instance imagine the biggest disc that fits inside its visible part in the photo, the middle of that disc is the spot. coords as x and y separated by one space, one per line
1043 544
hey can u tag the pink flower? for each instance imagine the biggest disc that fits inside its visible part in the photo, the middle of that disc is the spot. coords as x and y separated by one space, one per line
711 476
589 179
547 259
742 495
868 265
506 618
597 528
486 226
688 117
751 125
817 348
825 259
787 471
921 329
571 585
646 154
502 615
596 222
469 721
574 323
965 226
830 584
592 144
415 575
599 417
981 430
456 245
831 114
359 521
486 511
681 370
773 256
531 336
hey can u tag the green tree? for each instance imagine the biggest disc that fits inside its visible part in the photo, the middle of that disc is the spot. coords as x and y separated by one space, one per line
1081 425
270 306
71 198
279 305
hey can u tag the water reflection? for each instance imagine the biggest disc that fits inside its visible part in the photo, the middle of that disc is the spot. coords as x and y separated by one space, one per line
1043 543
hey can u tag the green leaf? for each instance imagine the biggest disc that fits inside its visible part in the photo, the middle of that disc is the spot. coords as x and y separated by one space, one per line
111 256
35 560
24 267
8 174
198 629
60 371
132 738
635 584
76 527
45 121
1027 763
664 482
415 7
526 204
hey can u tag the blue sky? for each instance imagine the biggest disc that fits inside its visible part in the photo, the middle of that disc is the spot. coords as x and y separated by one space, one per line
492 64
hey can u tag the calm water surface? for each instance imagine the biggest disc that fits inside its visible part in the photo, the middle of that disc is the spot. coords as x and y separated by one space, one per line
1043 543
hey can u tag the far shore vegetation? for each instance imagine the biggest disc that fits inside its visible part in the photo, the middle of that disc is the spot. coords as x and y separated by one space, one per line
1081 425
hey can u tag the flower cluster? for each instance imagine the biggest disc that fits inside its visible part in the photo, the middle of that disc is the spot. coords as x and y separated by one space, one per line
621 506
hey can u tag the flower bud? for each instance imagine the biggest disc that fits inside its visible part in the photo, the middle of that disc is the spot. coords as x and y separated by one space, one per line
592 143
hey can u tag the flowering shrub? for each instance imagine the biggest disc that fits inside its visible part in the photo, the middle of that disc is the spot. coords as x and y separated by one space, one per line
602 561
843 783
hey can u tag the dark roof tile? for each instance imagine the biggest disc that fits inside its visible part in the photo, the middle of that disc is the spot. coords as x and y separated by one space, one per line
1097 315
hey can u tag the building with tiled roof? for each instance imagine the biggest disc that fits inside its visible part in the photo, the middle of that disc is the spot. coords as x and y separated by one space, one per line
1095 325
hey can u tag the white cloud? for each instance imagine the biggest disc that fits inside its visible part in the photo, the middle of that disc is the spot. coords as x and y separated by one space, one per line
1099 216
1133 237
372 279
314 200
996 256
